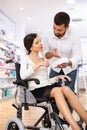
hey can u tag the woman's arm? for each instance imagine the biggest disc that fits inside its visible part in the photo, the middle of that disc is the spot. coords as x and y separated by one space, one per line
57 78
26 69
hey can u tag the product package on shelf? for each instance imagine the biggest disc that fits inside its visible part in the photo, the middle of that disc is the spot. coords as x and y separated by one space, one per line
3 73
1 63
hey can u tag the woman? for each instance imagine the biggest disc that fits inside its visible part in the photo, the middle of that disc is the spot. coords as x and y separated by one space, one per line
33 66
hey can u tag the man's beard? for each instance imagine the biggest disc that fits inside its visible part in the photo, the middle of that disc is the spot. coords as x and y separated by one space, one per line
59 35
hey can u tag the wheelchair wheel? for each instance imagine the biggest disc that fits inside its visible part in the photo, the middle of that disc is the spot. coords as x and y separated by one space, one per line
14 124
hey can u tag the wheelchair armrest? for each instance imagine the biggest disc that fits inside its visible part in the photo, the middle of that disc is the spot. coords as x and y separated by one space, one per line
33 79
24 82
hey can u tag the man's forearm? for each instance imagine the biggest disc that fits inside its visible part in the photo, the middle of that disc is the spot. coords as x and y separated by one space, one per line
48 55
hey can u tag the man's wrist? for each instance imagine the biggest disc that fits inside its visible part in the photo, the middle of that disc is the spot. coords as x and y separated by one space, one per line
69 63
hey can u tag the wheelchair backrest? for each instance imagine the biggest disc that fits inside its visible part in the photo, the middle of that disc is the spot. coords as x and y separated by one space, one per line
17 68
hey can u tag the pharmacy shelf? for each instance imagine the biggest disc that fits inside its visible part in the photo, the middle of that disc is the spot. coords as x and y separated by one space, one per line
7 71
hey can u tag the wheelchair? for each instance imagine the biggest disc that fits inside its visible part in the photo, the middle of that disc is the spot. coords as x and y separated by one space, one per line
49 120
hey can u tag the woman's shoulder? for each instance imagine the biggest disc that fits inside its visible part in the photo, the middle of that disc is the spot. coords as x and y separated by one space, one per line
25 59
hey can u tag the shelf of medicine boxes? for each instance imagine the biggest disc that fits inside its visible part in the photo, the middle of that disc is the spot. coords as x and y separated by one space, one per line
7 71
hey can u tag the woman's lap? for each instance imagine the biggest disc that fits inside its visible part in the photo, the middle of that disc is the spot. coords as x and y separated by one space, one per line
43 92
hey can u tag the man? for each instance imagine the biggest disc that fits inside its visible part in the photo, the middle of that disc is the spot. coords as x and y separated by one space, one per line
62 43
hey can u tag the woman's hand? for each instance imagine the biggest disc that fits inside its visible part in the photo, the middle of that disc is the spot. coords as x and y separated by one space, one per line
44 63
63 77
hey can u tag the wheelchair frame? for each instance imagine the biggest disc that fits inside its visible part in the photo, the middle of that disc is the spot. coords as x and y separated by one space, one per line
49 119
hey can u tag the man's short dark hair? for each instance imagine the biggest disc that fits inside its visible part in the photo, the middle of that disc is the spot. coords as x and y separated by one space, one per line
62 18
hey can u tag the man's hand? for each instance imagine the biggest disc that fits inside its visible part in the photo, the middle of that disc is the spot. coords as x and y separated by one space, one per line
53 53
64 65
